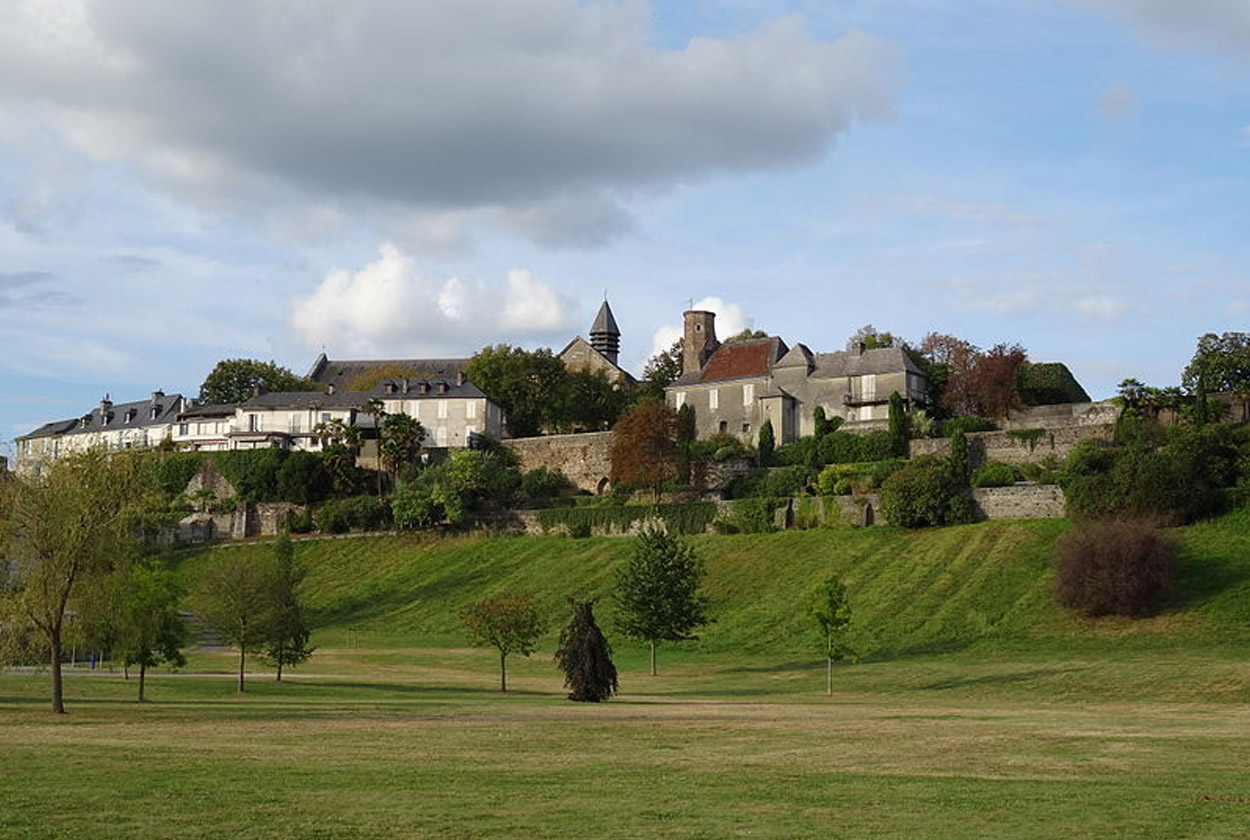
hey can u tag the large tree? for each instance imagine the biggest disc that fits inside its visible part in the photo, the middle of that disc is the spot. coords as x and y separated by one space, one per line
1221 364
287 644
528 386
585 657
236 598
234 380
151 631
509 622
644 449
64 533
657 591
400 441
660 371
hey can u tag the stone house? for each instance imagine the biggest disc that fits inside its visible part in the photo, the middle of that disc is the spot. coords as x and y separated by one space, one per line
733 388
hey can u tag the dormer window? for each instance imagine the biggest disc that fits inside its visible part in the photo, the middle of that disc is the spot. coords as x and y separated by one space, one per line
423 388
442 387
156 411
391 388
130 415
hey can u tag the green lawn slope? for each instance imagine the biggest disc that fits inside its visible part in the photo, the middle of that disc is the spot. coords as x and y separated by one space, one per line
913 592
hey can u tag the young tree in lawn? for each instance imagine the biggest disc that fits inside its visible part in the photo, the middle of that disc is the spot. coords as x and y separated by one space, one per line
657 591
585 657
61 535
831 609
236 598
644 448
151 630
509 622
287 645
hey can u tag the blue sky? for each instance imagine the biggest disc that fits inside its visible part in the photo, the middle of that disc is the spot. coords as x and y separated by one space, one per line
190 182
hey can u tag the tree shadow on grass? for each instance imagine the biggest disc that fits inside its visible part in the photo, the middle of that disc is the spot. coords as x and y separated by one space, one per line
792 665
997 679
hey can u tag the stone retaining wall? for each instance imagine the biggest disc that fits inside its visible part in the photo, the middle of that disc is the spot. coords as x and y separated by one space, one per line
1001 446
1020 501
584 459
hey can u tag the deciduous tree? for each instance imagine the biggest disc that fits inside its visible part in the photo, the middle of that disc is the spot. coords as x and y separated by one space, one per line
831 609
585 657
509 622
150 629
657 591
236 598
528 386
287 644
660 371
234 380
65 532
644 448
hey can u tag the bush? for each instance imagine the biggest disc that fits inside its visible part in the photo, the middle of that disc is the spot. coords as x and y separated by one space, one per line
540 485
1113 567
1045 471
967 423
994 474
924 493
252 472
719 447
842 479
781 482
303 478
355 513
299 521
174 472
753 516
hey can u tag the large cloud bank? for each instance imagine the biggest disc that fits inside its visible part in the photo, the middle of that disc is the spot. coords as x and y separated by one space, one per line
391 307
539 115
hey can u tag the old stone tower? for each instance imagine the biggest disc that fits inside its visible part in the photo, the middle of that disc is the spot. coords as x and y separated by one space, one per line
604 335
698 339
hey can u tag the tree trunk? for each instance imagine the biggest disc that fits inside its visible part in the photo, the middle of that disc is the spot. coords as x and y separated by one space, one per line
503 672
279 677
242 657
829 676
653 657
143 673
58 694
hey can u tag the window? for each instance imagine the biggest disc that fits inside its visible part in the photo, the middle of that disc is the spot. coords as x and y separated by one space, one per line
680 398
746 428
253 423
713 400
724 427
183 428
470 409
748 393
442 409
868 384
440 435
294 424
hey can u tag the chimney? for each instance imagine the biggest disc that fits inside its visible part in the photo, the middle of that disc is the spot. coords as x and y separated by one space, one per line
157 396
859 348
105 404
406 384
460 377
698 339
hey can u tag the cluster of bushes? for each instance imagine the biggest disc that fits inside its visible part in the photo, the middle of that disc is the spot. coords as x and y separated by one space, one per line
967 424
1114 567
927 491
355 513
752 515
678 518
845 479
260 475
836 447
1178 475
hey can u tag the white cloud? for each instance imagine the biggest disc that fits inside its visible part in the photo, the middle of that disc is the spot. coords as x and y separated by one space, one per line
1117 101
1100 307
540 116
731 318
390 307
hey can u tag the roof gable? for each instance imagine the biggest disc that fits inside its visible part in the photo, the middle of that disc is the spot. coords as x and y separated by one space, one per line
741 360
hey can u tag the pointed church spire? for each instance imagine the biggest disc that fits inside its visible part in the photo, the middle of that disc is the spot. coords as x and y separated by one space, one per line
604 334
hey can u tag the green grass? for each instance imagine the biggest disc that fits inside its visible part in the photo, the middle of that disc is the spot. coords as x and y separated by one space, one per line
979 710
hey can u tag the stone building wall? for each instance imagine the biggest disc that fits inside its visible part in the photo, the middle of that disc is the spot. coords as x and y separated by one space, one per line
584 459
1021 501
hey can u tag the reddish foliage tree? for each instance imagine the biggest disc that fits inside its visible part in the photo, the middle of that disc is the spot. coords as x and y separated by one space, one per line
644 445
983 383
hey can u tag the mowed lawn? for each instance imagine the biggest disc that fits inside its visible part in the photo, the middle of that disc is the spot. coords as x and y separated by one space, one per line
958 746
979 709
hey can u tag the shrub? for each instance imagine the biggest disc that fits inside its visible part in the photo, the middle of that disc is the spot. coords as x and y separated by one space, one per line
781 482
1045 471
753 516
355 513
253 472
718 448
303 478
174 472
1113 567
299 521
967 423
994 474
540 485
841 479
924 493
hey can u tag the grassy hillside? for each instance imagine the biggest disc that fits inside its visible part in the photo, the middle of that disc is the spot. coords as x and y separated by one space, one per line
935 590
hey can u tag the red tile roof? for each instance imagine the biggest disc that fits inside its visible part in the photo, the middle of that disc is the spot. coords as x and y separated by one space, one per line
748 358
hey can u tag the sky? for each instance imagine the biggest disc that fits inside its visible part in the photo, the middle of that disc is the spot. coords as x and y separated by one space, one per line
187 182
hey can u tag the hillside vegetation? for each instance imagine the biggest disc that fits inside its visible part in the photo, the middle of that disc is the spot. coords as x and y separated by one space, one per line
933 590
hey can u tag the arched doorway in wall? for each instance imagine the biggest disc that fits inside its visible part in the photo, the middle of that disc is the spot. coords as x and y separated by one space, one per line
602 487
870 515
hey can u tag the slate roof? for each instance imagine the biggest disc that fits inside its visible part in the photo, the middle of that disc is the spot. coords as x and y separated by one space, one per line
876 361
604 323
342 372
799 356
357 399
113 416
738 360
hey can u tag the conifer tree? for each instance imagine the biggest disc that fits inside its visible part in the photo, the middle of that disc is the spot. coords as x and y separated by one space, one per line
585 657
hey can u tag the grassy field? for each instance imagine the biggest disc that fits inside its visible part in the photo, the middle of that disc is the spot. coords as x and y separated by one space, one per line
979 710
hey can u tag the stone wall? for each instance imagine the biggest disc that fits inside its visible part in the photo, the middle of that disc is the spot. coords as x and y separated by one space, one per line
584 459
1020 501
1064 415
253 519
1001 446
